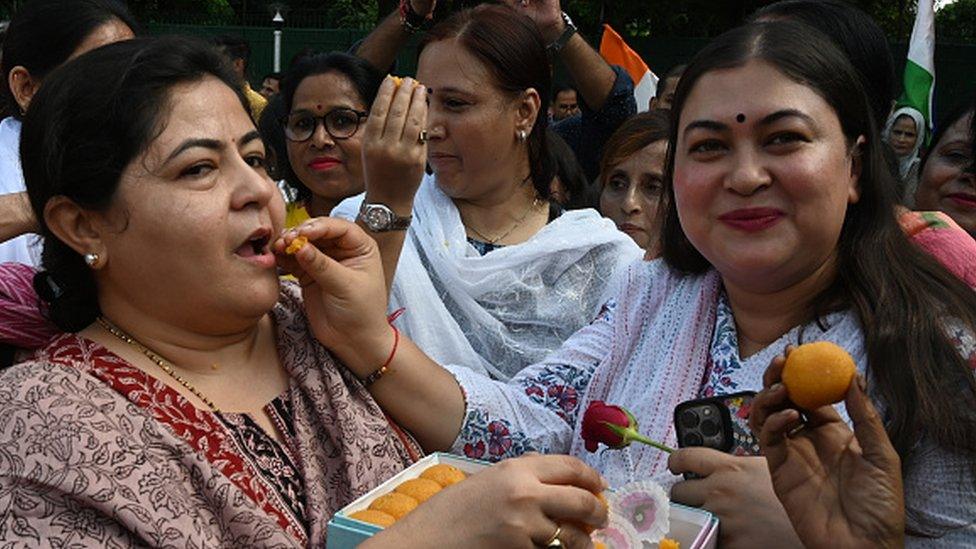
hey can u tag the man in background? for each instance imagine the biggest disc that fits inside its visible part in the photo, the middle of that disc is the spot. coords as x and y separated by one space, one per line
270 85
238 52
565 103
666 88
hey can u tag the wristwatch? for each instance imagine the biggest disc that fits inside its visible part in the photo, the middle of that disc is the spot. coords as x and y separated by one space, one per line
379 218
412 21
568 32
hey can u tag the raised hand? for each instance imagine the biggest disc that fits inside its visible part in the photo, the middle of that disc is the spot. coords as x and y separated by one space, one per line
394 155
839 488
547 15
423 7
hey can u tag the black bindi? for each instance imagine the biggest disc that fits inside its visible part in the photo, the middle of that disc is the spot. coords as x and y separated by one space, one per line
740 118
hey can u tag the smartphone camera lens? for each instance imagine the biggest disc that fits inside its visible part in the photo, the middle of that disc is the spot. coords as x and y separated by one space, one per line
689 419
710 428
693 439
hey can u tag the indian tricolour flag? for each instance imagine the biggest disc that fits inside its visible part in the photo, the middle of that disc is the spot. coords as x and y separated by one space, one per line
617 52
919 79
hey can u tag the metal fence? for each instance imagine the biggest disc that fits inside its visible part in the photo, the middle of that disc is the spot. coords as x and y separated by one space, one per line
954 62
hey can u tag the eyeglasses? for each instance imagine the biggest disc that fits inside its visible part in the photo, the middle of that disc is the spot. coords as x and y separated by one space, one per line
341 123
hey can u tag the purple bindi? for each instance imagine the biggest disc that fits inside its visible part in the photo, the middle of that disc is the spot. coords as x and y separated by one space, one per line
740 118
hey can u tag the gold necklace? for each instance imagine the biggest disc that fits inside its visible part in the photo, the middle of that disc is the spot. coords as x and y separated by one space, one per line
534 204
164 364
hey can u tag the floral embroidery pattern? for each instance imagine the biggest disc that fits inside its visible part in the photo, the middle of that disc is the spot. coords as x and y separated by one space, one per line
724 358
495 436
558 388
964 341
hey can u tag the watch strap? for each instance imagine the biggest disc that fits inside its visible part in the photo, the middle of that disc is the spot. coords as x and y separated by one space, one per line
412 21
568 32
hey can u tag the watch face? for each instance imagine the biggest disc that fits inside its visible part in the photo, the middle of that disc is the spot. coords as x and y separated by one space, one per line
377 217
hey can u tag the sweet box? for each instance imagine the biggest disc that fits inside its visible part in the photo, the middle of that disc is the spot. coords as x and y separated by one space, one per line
692 528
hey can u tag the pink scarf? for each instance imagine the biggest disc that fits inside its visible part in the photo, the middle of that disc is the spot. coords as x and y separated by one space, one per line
21 322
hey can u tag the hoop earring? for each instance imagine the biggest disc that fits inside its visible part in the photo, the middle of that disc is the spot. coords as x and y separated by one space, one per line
91 259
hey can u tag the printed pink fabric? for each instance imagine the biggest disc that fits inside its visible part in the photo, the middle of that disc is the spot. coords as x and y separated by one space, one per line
939 236
21 322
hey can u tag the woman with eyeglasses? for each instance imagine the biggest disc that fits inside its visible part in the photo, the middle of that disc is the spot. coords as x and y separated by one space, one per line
327 97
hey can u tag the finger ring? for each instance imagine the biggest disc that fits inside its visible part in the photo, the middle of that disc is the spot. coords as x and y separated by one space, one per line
423 136
797 429
554 539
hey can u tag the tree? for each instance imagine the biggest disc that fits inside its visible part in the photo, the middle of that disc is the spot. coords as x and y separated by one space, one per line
957 21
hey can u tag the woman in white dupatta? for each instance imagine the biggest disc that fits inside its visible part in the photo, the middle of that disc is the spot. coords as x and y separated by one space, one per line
778 230
493 275
904 132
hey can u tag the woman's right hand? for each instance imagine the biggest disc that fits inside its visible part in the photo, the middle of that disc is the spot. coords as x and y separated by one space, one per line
394 156
518 502
342 287
839 488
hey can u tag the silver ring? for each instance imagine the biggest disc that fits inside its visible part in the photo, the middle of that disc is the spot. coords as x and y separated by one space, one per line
554 540
423 136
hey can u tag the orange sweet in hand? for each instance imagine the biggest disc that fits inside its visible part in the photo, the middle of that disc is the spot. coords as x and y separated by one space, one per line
372 516
667 543
296 245
818 374
444 474
394 504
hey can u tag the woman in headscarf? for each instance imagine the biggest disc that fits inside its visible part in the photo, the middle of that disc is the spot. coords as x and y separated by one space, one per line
905 134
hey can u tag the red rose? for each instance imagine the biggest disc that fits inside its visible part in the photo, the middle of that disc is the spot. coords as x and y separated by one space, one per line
613 426
596 421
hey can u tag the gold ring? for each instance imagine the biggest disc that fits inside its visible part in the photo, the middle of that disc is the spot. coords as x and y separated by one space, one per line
796 430
554 539
423 136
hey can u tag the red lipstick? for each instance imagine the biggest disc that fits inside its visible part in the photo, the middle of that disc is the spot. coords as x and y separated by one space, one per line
752 220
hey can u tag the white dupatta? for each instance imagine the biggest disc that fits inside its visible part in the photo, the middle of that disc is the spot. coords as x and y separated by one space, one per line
500 312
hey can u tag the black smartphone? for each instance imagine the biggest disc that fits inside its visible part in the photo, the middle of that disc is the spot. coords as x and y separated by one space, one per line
719 422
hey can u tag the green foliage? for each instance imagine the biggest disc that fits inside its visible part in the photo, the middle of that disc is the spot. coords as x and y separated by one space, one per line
636 18
957 22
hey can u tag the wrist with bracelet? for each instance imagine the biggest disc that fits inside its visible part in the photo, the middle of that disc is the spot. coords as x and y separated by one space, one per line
410 20
385 367
569 29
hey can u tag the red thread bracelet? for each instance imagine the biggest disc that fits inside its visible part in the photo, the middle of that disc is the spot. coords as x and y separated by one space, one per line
382 370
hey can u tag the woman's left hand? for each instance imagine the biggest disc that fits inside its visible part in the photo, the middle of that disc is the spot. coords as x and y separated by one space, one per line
342 283
547 15
739 491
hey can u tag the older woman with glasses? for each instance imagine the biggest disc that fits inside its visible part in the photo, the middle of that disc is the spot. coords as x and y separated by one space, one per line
326 97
